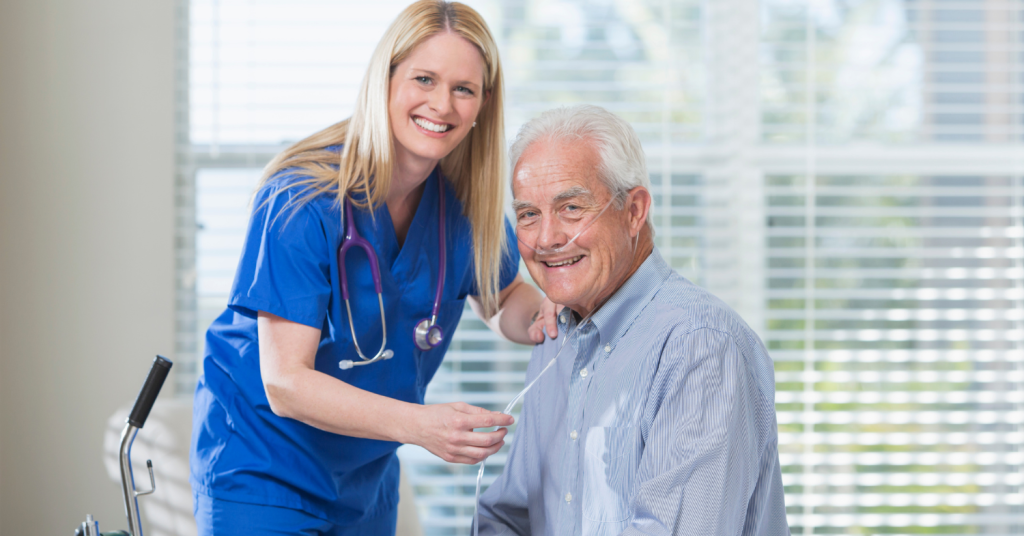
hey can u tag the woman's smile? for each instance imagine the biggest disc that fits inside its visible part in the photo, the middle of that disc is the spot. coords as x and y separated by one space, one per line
431 126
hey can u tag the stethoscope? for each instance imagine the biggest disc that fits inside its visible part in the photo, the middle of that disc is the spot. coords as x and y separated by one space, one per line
427 334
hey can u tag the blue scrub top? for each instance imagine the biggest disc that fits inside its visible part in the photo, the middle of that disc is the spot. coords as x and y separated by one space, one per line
241 451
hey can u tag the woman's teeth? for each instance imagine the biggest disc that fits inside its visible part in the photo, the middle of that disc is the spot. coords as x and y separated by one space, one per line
433 127
564 263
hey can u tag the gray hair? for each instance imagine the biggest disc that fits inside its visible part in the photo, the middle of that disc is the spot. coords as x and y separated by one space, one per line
623 164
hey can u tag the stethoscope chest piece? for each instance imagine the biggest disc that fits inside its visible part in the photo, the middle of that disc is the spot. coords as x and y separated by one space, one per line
428 334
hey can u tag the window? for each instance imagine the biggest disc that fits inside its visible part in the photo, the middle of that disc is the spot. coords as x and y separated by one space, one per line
846 174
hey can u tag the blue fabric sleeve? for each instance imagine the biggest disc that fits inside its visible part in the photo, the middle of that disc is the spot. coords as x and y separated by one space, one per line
285 264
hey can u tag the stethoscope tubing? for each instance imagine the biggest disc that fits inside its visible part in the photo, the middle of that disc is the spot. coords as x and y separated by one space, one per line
382 353
427 334
442 253
353 239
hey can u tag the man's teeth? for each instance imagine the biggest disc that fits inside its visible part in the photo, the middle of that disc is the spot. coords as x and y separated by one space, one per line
433 127
564 263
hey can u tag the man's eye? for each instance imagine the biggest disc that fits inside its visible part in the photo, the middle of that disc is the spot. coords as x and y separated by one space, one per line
527 215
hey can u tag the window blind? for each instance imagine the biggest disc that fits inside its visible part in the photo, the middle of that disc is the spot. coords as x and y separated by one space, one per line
846 174
893 263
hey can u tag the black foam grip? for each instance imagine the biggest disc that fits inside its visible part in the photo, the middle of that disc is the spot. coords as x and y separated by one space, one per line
150 389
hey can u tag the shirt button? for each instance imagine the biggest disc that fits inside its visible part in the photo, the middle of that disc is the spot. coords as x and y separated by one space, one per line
583 373
574 435
561 318
607 348
568 497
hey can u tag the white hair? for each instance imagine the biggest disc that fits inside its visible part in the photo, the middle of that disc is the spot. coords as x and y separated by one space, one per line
623 164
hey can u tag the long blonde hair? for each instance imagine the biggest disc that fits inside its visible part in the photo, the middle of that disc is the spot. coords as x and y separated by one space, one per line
475 168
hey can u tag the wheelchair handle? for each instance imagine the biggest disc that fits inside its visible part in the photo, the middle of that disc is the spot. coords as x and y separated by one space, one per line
150 389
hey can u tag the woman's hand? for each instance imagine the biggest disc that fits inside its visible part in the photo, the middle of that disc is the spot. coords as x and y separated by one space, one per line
517 303
446 430
546 314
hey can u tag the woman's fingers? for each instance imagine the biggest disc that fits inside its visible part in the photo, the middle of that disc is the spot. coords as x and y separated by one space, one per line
472 447
480 445
545 322
550 316
477 417
475 455
536 329
484 439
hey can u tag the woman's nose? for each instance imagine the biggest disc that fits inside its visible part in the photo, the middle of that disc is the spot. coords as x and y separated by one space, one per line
441 102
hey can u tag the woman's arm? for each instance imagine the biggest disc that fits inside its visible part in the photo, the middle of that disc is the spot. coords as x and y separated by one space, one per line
297 391
522 312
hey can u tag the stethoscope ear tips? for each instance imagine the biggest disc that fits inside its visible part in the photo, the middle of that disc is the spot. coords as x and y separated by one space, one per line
346 364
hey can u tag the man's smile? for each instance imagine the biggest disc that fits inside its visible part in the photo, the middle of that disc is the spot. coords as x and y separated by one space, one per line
566 262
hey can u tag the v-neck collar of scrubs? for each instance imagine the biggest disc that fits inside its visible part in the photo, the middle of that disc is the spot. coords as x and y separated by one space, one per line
393 255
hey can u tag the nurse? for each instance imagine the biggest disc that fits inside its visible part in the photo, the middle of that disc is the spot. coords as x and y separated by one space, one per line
288 438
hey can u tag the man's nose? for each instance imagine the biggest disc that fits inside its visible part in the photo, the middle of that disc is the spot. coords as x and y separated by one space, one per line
551 234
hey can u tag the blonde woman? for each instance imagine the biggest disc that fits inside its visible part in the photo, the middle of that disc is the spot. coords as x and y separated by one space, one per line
312 376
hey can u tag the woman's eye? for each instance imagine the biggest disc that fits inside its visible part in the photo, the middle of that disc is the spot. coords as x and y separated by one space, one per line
464 90
422 79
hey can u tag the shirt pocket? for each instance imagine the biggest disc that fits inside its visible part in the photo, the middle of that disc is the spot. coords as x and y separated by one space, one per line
611 460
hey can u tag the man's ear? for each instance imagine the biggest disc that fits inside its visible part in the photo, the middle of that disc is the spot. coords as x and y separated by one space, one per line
638 202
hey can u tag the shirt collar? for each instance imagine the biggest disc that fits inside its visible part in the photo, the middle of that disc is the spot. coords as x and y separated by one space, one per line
615 316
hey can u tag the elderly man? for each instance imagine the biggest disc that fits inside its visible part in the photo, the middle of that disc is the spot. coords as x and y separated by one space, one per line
657 416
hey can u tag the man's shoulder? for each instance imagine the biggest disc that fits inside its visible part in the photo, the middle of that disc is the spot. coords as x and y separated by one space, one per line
691 309
686 307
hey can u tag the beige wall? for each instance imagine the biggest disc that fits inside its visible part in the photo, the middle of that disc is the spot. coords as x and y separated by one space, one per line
86 243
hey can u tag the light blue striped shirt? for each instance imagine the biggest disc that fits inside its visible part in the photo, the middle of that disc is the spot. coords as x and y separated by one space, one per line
658 419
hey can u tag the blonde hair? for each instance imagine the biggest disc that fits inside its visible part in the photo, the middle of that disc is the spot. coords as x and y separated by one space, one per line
475 168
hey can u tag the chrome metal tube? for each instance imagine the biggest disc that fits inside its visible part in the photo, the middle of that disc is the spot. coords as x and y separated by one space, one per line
131 503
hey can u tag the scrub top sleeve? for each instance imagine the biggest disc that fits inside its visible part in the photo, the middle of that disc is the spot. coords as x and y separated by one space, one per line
285 264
